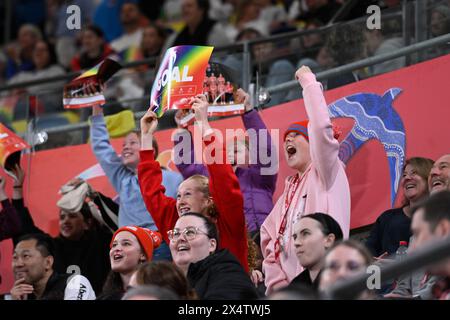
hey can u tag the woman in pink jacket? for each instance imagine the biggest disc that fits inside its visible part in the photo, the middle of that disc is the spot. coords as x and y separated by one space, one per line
319 185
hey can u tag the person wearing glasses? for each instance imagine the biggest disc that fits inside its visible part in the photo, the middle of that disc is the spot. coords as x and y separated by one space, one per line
213 273
217 197
343 261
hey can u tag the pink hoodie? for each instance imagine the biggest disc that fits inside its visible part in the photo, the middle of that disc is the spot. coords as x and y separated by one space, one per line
323 188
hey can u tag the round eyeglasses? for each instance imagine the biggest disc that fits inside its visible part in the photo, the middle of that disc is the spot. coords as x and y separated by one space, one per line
189 233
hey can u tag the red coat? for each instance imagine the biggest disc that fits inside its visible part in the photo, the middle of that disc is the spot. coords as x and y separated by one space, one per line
225 191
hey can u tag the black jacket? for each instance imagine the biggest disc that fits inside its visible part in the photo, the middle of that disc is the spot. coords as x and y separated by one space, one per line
391 227
199 37
54 289
304 279
220 276
90 253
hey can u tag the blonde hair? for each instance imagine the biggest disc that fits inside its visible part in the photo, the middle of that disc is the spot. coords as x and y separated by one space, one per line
33 29
212 214
203 187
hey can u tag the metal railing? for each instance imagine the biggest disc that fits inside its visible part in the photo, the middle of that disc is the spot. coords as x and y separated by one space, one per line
294 83
70 75
243 47
367 62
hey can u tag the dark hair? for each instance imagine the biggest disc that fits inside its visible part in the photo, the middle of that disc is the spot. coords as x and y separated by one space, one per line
315 22
52 59
95 29
436 208
358 246
423 167
204 5
165 274
86 212
113 284
345 43
327 224
247 30
211 228
162 33
44 243
151 291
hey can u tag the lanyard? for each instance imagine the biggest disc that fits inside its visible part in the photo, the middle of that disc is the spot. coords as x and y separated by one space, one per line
293 186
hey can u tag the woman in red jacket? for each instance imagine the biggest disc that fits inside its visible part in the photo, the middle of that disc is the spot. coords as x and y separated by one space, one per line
218 197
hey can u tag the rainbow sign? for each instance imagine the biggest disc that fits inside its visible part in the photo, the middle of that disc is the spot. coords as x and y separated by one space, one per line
131 54
180 76
89 73
75 96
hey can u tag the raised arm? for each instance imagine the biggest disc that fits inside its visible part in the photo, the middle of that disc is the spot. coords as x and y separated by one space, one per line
183 142
9 220
224 187
260 138
252 121
162 208
106 155
26 220
323 146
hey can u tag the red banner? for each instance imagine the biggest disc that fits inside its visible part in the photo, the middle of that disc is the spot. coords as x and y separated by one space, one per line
422 106
10 143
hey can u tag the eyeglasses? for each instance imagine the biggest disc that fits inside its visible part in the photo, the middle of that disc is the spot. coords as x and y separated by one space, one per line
189 233
351 266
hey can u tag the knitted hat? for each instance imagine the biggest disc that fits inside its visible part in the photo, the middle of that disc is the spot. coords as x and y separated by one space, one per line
300 127
147 238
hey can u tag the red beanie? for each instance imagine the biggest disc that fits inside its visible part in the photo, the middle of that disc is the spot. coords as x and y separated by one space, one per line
147 238
300 127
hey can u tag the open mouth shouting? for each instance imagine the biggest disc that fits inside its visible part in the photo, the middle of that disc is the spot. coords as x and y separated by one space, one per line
291 151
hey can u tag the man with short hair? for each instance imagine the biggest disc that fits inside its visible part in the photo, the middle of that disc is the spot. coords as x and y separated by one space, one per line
439 178
430 224
131 20
35 278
